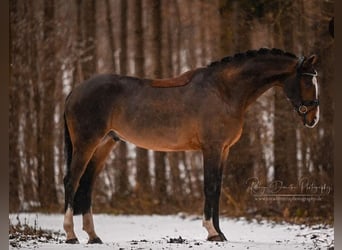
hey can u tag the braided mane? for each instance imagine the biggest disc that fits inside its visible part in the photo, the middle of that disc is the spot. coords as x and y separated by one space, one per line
249 54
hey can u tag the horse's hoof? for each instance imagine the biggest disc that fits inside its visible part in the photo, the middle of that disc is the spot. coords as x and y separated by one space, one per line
96 240
72 241
219 237
223 237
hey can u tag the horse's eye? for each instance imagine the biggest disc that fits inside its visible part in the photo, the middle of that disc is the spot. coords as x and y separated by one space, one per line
308 84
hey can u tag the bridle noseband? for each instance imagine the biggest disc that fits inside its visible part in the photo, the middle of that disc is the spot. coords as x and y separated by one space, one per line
302 107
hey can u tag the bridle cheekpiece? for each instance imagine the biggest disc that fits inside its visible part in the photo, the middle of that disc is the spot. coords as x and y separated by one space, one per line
302 108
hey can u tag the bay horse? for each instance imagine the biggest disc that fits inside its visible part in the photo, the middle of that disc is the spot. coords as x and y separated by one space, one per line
203 109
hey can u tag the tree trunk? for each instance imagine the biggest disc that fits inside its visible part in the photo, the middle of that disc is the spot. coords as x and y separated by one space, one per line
30 191
14 106
143 179
176 185
285 138
159 157
48 67
88 27
110 34
226 27
122 184
160 188
121 181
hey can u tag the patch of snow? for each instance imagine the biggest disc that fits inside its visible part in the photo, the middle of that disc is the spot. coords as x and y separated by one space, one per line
179 232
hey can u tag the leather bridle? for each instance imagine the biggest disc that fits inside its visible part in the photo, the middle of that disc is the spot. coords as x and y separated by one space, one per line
302 107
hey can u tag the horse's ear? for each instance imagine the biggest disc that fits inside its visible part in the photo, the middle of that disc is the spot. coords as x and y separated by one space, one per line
310 61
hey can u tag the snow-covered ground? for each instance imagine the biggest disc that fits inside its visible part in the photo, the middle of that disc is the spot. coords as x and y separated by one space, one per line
159 232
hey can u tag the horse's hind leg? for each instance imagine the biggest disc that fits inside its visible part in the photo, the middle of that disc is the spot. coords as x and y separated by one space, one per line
87 162
80 158
94 167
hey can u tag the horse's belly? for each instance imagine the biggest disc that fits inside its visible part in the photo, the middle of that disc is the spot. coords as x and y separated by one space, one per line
161 120
160 139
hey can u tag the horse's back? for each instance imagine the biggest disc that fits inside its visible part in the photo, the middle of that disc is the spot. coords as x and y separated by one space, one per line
102 89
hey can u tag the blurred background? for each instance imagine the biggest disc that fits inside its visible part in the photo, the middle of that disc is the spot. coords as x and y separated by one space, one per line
56 44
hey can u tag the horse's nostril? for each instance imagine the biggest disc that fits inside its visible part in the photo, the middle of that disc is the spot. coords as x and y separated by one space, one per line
312 123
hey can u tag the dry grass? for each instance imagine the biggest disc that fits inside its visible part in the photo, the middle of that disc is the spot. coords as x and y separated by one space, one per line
22 233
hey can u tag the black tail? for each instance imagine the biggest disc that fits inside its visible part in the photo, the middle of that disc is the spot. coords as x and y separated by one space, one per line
67 144
68 155
82 198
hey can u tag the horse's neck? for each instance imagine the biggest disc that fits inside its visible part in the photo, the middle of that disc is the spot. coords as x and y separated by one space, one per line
255 78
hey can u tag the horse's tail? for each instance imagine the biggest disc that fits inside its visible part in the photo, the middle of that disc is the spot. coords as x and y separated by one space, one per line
82 197
67 144
68 155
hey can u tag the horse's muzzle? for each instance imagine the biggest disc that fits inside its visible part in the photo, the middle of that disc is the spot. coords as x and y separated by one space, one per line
312 124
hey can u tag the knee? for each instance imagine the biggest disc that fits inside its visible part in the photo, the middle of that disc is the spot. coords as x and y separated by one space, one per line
212 190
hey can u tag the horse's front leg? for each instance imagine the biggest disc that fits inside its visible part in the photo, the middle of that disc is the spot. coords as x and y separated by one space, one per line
213 167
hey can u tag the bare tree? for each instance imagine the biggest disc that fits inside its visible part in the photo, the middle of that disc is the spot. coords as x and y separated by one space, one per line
156 44
285 148
175 183
143 178
86 34
14 110
46 165
110 33
121 181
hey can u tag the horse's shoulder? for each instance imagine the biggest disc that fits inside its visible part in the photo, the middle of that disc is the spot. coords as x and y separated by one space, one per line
177 81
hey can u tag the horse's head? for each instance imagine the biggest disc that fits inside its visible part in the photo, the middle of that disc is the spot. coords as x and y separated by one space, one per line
302 90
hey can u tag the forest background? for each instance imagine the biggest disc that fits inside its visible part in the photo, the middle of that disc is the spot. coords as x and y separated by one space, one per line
56 44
